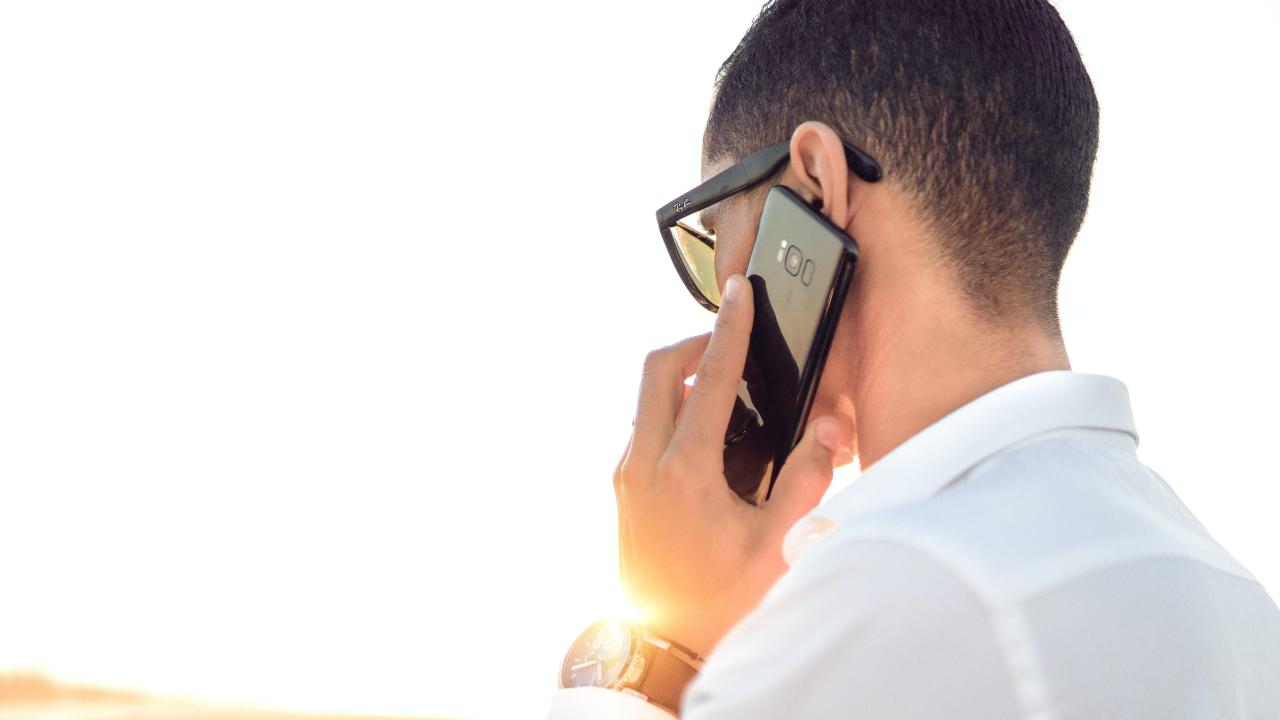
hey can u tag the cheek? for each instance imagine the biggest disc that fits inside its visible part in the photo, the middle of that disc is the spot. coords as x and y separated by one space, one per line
733 251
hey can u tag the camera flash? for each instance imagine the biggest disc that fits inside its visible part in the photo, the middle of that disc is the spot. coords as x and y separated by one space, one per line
781 253
784 244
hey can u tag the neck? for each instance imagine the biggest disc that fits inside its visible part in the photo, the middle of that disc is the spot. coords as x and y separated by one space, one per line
932 357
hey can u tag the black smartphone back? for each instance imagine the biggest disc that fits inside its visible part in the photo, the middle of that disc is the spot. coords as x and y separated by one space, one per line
800 270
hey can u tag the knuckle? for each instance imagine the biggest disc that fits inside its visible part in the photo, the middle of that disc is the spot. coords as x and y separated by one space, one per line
711 371
618 475
626 475
672 466
654 359
656 362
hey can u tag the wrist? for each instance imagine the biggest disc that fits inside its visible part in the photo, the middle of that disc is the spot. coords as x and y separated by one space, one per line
633 659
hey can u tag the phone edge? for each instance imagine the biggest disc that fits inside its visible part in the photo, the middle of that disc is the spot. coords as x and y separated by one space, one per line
818 357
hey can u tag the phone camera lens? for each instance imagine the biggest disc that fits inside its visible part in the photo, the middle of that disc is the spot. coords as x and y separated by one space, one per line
794 260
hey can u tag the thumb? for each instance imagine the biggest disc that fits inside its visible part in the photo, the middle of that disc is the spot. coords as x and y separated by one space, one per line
806 475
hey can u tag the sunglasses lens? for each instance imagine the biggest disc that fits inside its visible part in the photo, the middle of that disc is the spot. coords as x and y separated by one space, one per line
698 253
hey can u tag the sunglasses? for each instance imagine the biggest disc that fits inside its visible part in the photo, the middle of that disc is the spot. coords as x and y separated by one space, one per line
692 247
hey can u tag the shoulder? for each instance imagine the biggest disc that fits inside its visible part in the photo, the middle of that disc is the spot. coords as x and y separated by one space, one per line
968 602
1033 517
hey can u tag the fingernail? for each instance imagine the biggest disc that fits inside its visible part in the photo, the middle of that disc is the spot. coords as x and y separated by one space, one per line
732 287
827 433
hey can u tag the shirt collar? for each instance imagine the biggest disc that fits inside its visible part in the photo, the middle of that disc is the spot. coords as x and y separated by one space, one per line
942 452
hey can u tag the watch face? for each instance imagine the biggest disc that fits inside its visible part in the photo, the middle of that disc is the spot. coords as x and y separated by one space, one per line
598 656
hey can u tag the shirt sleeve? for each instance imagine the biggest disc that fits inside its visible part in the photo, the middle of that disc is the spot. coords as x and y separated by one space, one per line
860 629
592 703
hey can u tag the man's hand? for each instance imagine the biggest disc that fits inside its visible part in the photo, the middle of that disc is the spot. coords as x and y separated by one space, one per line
693 554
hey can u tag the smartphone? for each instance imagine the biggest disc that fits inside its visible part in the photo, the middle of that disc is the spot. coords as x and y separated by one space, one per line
800 270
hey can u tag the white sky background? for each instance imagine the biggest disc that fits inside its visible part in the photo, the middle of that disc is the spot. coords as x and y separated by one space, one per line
321 323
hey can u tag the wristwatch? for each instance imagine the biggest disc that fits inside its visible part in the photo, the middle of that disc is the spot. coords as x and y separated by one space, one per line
625 656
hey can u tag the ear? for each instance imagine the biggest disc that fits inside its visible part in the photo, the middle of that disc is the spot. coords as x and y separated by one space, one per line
819 167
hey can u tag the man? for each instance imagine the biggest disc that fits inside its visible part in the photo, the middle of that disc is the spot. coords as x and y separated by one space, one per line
1005 553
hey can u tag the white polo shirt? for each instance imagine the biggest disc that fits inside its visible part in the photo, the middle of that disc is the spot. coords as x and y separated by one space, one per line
1013 560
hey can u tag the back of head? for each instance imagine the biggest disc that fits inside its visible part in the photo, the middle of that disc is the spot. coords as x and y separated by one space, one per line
980 111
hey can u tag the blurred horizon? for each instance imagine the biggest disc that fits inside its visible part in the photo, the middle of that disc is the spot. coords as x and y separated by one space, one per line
32 695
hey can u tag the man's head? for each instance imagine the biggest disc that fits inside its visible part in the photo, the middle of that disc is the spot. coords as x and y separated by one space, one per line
980 112
985 123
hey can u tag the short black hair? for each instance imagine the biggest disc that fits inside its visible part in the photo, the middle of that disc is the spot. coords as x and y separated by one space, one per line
980 110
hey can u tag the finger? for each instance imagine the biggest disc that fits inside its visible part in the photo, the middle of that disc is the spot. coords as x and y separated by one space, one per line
806 475
706 413
661 394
